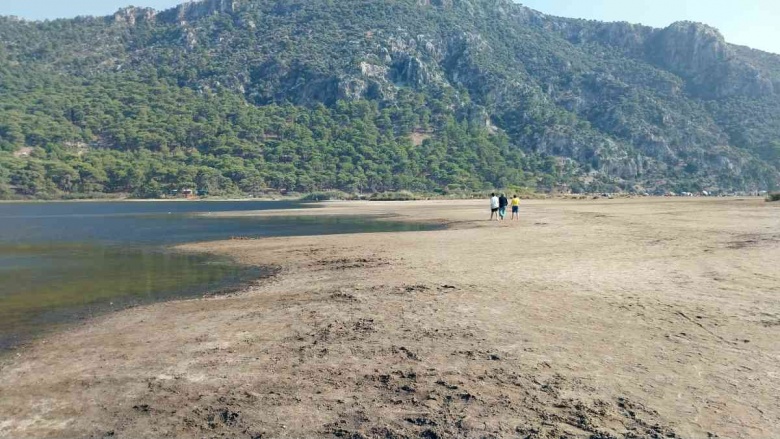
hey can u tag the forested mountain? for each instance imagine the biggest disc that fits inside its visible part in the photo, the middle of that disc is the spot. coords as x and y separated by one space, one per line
251 96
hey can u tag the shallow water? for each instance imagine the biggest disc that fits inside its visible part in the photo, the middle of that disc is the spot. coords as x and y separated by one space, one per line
63 261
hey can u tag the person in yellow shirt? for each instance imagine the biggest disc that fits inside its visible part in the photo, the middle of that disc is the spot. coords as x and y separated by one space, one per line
515 208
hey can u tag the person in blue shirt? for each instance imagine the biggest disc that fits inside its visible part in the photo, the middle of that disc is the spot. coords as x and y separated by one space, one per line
502 204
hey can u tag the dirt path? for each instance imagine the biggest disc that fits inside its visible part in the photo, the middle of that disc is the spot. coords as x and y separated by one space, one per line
593 319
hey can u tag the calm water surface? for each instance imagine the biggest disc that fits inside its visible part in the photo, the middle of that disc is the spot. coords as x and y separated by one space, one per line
63 261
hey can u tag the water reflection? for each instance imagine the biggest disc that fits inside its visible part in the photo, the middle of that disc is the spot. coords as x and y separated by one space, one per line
60 261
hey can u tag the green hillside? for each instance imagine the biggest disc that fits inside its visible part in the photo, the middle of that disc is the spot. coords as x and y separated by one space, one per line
256 96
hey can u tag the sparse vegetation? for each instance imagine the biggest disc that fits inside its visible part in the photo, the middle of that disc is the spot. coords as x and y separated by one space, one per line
394 196
328 196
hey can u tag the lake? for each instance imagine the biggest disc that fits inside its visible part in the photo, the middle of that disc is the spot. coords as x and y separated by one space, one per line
65 261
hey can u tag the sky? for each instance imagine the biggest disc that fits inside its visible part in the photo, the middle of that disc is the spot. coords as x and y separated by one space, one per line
752 23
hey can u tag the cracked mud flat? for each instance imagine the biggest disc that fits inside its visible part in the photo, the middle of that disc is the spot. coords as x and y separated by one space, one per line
590 319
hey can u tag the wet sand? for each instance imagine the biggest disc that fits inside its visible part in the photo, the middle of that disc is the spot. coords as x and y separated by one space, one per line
594 319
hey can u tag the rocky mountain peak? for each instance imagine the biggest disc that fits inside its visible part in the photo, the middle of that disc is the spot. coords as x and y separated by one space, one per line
702 30
131 15
692 46
700 54
194 10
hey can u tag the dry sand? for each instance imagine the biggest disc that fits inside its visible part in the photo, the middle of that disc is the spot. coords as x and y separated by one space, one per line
593 319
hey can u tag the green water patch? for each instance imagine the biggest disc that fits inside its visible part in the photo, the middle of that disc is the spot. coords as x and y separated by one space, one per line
44 285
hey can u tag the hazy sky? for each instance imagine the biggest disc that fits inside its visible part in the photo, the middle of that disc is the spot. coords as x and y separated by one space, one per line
750 22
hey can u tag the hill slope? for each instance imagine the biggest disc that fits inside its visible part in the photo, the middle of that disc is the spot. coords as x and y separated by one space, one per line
253 95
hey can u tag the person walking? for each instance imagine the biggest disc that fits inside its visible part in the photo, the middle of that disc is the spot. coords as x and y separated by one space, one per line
515 208
502 204
493 207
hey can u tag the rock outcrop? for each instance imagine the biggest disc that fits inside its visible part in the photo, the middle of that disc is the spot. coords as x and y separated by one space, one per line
194 10
131 15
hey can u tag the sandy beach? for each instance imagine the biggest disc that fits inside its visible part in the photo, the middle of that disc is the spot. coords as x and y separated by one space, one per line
636 318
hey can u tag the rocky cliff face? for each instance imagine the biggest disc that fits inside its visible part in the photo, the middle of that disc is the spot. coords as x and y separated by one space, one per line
195 10
132 15
697 53
700 54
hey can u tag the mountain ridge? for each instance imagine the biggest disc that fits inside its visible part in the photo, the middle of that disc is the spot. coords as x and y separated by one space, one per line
604 105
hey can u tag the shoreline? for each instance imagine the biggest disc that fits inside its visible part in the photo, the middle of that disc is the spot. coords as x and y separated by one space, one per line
75 317
534 197
147 200
583 318
69 317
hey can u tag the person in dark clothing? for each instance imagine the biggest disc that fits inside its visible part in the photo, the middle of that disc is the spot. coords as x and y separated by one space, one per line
503 202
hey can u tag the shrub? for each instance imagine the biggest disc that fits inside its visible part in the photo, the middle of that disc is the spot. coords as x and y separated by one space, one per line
394 196
775 196
327 196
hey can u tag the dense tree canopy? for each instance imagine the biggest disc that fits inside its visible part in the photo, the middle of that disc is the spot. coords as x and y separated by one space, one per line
143 136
